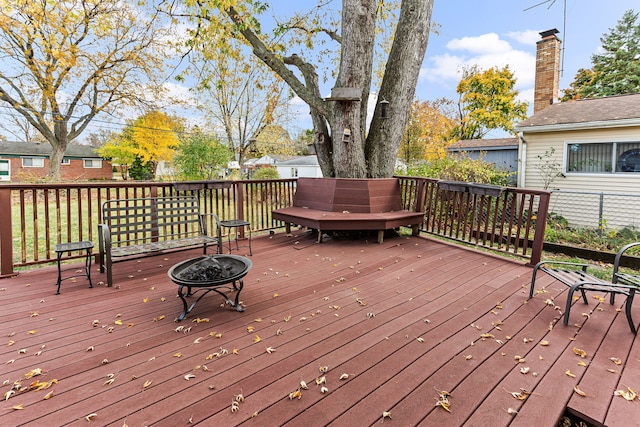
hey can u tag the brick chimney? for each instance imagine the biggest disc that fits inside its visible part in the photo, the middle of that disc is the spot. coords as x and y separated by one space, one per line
547 70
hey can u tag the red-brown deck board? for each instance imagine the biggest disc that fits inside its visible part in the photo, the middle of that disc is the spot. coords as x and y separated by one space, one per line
388 295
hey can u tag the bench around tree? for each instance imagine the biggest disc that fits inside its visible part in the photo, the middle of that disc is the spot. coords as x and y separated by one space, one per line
140 227
348 204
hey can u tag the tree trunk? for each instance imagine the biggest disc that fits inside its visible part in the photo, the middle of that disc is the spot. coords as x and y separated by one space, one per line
343 147
58 141
356 59
398 86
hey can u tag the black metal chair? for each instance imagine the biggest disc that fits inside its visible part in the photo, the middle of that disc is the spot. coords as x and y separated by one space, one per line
576 277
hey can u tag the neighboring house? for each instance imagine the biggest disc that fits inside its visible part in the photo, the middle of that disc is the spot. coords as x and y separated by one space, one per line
300 166
502 152
594 142
20 161
589 145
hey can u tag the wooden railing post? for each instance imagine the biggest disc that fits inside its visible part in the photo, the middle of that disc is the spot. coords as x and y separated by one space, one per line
240 203
541 225
6 234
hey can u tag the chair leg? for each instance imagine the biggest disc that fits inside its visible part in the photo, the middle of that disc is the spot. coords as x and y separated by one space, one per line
627 310
567 309
59 273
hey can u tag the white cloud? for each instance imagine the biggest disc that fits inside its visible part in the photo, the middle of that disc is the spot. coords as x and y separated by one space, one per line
527 37
485 51
484 44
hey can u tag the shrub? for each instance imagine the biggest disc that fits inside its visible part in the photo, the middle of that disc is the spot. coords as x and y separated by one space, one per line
266 173
462 168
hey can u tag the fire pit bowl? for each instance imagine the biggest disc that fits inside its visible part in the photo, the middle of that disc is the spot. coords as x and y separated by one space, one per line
210 273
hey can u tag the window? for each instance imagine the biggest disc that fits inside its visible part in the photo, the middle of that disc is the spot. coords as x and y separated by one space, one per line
65 161
33 162
92 163
603 157
294 172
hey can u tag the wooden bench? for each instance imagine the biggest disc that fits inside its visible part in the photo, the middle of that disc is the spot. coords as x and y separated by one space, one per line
146 226
345 204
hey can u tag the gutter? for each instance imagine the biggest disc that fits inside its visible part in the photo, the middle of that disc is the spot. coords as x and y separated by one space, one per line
601 124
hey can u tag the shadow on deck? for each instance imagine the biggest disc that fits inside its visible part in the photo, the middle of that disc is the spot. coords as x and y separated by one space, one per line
404 320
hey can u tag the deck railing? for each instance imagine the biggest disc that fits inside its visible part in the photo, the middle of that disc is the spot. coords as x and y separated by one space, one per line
510 220
35 217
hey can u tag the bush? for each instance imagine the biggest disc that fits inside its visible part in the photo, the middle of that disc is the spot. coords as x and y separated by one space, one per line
266 173
462 168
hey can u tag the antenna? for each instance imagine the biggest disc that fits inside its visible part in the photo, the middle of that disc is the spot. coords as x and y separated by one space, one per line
564 27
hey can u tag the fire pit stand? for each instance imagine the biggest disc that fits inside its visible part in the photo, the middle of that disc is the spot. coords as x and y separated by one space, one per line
210 273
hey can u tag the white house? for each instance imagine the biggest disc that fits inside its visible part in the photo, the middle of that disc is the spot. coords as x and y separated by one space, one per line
301 166
584 146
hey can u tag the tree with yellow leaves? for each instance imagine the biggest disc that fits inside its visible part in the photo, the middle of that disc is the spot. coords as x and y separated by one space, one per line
155 137
64 62
428 130
488 100
144 143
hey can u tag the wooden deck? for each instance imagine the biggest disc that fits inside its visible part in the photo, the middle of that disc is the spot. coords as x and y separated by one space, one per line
403 320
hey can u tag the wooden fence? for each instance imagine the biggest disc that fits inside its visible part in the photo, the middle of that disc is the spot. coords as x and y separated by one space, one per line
35 217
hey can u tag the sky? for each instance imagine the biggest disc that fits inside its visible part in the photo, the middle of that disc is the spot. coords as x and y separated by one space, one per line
487 33
495 33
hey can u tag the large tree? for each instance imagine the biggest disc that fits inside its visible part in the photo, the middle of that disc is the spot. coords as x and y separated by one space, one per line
345 147
238 95
616 70
64 62
488 100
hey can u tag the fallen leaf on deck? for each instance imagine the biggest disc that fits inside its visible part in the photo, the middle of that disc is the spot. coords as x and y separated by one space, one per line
616 360
579 392
569 374
630 394
295 395
33 373
257 339
580 352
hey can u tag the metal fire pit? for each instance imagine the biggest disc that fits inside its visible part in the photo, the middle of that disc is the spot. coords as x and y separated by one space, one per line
210 273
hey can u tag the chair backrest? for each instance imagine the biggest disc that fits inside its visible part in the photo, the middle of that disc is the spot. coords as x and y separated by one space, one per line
152 219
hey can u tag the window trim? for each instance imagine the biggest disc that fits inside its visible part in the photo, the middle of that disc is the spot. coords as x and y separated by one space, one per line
32 158
613 164
84 163
65 161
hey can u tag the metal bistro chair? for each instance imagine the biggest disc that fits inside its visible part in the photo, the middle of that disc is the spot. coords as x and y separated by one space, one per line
576 277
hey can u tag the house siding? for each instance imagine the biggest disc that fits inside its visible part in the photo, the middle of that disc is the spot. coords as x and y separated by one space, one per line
74 171
538 143
580 194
